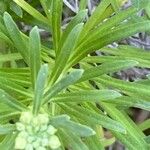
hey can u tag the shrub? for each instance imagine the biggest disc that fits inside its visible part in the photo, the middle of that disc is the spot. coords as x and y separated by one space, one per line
58 95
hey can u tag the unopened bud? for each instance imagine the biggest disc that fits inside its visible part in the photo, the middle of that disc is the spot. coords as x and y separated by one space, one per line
20 143
54 142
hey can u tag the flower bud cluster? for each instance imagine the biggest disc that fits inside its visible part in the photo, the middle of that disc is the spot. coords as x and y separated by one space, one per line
35 133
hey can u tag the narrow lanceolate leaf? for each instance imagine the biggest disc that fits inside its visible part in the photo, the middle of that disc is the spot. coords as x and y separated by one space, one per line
115 5
96 17
65 52
108 24
6 129
8 142
78 129
79 18
106 68
10 101
64 121
62 84
10 57
83 4
35 53
115 34
140 3
32 11
2 26
134 133
17 71
5 38
124 52
39 88
56 22
95 143
13 88
73 140
16 9
16 36
91 96
129 88
24 81
145 125
92 118
127 140
103 59
127 101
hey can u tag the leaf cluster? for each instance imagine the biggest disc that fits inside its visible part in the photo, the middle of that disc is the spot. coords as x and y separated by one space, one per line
64 80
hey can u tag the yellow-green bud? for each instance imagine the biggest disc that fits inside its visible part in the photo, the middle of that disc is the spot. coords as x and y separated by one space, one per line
30 139
29 147
51 130
26 117
43 128
20 126
23 134
54 142
35 121
35 133
43 119
44 142
20 143
41 148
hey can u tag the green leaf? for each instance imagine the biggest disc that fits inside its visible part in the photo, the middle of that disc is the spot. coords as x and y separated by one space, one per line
147 139
10 57
129 88
110 23
47 6
145 125
8 142
115 34
95 18
12 102
56 22
8 115
124 52
92 118
62 84
17 9
79 18
13 88
127 140
35 54
39 88
18 79
5 38
73 141
3 6
64 121
103 59
2 26
6 129
140 3
89 95
134 133
106 68
94 143
127 101
83 4
16 36
17 71
32 11
65 52
116 5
